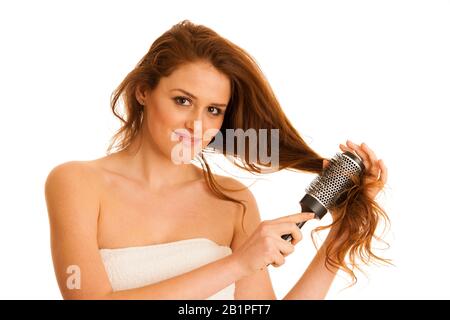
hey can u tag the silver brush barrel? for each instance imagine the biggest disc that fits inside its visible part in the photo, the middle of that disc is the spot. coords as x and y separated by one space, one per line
326 189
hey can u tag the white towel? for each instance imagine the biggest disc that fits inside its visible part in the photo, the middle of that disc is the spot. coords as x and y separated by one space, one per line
135 267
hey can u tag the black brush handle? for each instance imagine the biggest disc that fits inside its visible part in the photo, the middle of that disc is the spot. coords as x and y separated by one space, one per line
288 237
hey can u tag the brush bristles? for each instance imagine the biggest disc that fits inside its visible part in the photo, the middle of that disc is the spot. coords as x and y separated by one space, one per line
335 178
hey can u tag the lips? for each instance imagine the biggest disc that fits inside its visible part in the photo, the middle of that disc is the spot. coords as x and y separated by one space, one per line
187 138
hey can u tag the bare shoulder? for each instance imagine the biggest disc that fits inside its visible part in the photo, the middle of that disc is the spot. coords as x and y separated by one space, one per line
233 187
81 169
246 223
70 182
236 189
80 173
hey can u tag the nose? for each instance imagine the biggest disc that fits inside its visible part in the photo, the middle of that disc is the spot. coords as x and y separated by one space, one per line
194 119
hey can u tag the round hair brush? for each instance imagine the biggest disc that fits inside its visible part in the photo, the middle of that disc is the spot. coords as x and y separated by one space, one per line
326 190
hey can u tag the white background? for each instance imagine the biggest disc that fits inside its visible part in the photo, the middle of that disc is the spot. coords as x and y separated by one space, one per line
372 71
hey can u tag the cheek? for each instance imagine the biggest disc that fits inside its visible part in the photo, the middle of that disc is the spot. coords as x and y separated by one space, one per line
162 118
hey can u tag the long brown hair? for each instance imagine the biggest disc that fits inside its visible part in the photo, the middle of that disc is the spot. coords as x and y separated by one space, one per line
252 105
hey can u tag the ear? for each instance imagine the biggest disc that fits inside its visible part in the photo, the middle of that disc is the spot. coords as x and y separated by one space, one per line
141 94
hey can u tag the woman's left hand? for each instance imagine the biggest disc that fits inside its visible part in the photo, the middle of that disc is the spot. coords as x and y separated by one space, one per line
375 169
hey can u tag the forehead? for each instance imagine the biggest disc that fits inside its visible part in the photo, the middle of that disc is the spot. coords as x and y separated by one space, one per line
201 79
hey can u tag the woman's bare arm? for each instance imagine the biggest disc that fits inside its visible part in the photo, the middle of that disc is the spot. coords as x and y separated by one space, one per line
317 279
73 206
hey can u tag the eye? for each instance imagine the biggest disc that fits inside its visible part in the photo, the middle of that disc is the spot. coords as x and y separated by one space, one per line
182 100
218 113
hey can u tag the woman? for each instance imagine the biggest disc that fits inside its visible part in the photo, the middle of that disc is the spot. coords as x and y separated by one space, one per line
141 224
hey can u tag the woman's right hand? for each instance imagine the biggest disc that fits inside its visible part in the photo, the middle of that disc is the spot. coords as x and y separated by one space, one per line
265 246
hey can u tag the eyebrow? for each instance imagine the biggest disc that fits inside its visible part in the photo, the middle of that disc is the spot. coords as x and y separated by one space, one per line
194 97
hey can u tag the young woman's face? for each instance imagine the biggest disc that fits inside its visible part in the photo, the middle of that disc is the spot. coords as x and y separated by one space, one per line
191 102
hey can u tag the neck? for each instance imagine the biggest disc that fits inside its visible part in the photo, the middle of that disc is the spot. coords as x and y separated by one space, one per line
145 162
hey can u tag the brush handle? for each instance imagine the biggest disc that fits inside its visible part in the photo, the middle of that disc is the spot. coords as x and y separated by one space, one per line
288 237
